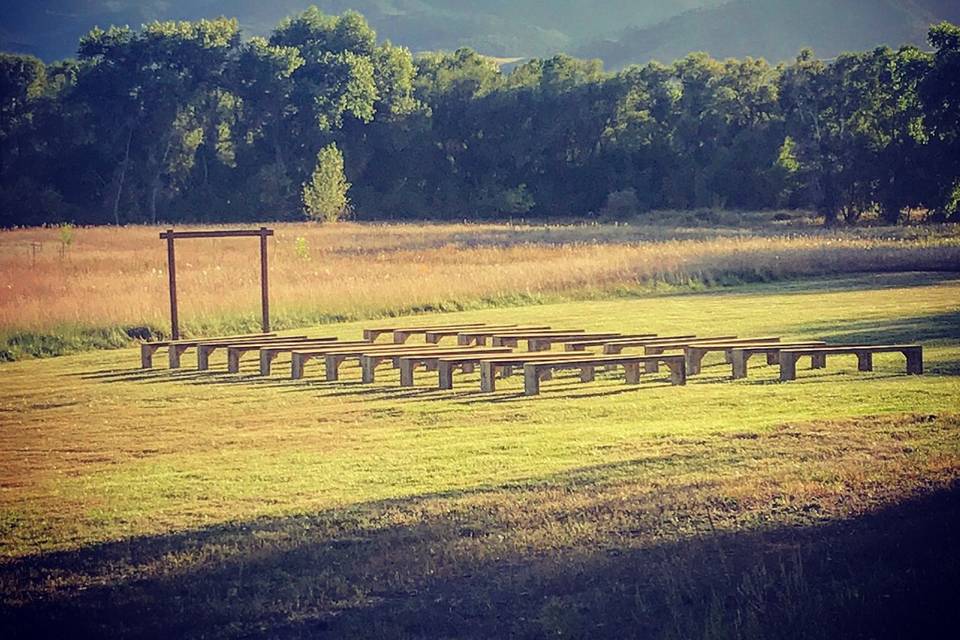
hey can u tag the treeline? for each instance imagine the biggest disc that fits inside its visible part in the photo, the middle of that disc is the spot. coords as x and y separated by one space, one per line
187 121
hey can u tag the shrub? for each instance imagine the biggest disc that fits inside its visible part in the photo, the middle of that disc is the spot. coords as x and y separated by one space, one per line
325 194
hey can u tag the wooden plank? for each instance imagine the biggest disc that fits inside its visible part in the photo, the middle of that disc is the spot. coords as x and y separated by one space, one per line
436 335
233 233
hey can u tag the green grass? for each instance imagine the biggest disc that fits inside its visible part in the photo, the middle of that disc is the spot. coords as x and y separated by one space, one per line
215 505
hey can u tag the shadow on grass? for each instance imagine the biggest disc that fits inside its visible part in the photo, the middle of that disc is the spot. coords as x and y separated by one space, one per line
928 328
403 569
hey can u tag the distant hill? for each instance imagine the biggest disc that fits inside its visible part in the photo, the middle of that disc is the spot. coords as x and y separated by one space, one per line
776 30
50 29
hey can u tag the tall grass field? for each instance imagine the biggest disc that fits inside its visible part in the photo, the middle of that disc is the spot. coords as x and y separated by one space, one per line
201 504
65 289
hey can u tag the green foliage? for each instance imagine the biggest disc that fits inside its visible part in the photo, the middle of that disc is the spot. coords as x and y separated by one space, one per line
302 248
325 193
185 121
66 237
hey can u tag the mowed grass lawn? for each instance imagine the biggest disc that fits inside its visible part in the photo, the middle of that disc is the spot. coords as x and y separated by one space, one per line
203 504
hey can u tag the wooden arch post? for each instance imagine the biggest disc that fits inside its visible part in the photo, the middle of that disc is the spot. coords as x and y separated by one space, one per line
170 235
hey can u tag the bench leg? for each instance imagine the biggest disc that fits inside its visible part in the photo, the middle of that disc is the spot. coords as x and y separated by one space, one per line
914 360
678 371
445 371
233 361
469 367
406 373
266 362
146 355
773 357
587 373
574 347
727 356
433 339
331 368
174 356
531 381
694 360
368 369
739 363
632 372
818 361
865 361
203 359
788 367
399 337
296 366
487 377
464 341
652 366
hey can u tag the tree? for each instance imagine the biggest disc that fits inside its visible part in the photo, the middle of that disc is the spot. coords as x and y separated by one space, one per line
940 94
325 193
145 92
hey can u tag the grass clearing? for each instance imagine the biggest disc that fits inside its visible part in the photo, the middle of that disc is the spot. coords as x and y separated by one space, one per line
205 504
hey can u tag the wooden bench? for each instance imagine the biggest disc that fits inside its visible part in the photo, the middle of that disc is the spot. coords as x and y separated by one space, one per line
533 372
175 352
372 333
436 335
657 347
235 352
334 356
370 361
270 353
741 353
446 365
481 336
147 349
490 367
206 349
696 352
912 352
468 358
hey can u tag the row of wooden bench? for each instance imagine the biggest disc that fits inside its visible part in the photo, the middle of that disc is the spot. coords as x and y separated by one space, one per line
499 358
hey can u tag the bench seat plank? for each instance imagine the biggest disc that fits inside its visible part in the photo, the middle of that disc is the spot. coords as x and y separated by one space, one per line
372 333
436 335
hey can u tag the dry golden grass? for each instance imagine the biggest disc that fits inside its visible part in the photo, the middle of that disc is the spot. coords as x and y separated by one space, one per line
110 278
115 277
